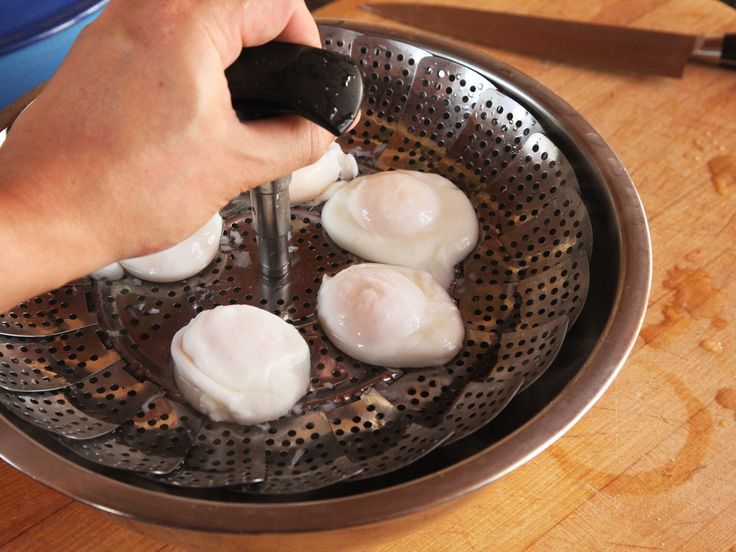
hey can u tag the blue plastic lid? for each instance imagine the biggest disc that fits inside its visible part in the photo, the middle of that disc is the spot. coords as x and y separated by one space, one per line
23 22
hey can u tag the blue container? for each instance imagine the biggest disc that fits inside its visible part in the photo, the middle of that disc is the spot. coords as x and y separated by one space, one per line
35 36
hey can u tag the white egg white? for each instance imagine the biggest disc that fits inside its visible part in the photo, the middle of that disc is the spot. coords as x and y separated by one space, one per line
309 183
390 316
242 364
408 218
113 271
182 260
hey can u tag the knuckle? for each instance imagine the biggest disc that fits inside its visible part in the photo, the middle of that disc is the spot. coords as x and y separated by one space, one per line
173 13
150 23
315 143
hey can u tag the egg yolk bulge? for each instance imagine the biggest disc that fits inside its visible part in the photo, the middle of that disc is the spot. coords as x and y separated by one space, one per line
408 218
390 316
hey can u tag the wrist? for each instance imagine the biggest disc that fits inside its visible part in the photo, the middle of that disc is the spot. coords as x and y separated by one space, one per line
47 241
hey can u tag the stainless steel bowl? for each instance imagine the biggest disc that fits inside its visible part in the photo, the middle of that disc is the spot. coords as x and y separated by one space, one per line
593 352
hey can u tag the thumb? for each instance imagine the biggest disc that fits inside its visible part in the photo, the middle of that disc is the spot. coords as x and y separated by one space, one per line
267 149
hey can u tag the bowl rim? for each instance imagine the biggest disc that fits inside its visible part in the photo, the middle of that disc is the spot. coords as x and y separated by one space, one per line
64 18
576 398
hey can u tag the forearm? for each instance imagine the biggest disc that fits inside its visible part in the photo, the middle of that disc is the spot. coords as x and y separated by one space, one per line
43 244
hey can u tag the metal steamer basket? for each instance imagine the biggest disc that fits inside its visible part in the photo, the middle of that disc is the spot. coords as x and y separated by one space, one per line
85 373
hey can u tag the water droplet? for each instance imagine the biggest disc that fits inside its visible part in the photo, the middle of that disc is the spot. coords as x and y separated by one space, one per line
595 138
441 73
616 166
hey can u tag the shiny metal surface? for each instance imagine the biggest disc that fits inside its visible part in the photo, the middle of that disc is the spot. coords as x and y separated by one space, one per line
709 49
272 213
588 358
53 313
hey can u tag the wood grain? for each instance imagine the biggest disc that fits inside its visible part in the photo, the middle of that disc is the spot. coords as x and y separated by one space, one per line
651 467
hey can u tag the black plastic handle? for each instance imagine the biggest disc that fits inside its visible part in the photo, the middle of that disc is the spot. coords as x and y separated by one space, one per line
279 78
728 54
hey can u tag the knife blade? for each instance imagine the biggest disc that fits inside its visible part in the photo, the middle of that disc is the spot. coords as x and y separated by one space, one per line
601 46
316 4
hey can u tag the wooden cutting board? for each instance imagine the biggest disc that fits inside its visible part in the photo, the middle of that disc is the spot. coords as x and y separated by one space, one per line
653 465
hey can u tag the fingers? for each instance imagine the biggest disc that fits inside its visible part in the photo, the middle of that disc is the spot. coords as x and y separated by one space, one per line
260 21
272 148
283 144
301 28
355 121
229 25
286 20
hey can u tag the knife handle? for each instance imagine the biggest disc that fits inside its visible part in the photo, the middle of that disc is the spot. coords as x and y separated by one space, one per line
717 50
279 78
728 53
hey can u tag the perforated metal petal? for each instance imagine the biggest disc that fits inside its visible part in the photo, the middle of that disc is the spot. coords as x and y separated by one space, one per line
486 306
337 39
388 68
421 392
334 375
530 351
374 435
92 407
315 476
53 362
61 310
443 97
478 404
154 441
491 138
540 166
363 428
302 452
557 292
549 236
223 455
529 183
418 442
558 231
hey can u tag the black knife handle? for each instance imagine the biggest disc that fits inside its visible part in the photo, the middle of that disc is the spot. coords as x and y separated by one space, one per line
279 78
728 52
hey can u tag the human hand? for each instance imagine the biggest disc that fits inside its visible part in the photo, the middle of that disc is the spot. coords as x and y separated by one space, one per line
134 144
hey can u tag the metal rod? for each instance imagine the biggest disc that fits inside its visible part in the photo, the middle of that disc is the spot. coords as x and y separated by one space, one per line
709 49
272 223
